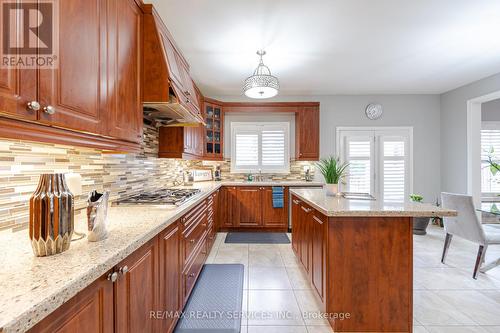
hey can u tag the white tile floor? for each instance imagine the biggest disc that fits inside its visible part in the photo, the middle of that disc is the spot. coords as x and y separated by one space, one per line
446 298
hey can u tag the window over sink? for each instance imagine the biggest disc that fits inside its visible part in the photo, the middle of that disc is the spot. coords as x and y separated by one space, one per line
261 146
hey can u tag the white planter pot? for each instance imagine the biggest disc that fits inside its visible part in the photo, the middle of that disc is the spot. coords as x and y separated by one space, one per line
331 189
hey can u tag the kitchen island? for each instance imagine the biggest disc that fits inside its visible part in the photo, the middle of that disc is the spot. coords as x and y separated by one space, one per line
358 255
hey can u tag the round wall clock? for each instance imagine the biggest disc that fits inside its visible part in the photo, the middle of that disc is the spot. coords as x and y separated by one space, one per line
374 111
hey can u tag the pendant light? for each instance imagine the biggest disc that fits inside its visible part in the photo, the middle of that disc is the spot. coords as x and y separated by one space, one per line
262 84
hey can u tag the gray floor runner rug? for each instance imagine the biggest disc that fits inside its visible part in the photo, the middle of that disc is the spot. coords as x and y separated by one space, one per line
215 304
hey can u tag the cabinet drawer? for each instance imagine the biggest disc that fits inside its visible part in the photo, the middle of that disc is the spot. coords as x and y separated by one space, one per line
211 235
190 219
193 270
193 236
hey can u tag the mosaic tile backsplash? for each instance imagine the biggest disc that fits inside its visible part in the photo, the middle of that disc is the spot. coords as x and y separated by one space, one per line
22 162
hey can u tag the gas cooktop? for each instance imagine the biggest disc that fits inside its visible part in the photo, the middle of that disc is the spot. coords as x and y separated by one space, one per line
163 197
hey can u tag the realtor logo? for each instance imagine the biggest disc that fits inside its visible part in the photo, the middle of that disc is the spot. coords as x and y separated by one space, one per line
29 34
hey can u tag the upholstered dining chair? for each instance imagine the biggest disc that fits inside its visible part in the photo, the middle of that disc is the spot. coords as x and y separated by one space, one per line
467 225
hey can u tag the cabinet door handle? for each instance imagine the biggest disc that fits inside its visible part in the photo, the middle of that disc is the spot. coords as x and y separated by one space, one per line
113 277
307 210
124 270
187 93
192 241
33 106
191 275
296 202
49 109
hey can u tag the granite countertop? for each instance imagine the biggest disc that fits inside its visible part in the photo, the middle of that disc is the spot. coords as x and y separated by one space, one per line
32 287
338 206
296 183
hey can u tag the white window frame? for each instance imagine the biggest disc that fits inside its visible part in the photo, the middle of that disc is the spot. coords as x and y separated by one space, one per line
378 133
250 126
486 125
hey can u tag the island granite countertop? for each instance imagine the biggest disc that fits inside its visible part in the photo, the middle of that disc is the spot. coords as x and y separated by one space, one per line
32 287
339 206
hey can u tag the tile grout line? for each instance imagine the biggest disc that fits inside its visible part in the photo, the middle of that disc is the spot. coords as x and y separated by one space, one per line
248 285
293 291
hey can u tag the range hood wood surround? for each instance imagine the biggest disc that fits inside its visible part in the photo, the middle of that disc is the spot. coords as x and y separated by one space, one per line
167 86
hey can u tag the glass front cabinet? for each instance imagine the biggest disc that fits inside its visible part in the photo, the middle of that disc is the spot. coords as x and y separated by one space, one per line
214 118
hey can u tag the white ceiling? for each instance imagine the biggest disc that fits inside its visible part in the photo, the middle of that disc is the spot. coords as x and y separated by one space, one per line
337 46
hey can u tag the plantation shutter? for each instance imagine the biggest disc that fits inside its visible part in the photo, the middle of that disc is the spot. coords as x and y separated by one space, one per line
394 169
247 148
260 147
360 159
490 145
379 162
273 148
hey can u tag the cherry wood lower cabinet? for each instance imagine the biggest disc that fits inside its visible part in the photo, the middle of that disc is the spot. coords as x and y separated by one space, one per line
296 225
147 290
228 203
361 268
213 217
317 260
91 310
274 217
251 208
170 278
137 290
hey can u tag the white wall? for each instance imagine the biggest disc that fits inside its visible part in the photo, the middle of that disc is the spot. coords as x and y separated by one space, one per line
490 111
454 131
419 111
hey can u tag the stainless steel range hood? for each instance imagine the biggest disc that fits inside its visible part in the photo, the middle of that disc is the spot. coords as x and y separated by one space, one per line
171 113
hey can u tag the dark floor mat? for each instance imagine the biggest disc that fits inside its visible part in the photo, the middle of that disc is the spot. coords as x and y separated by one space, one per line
215 304
257 238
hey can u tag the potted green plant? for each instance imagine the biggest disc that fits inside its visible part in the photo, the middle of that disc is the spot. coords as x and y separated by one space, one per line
419 223
334 172
494 166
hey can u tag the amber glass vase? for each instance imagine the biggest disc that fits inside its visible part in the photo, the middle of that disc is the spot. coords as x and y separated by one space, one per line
51 216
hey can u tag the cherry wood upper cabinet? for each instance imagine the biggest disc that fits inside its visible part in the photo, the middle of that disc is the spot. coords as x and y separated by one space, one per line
181 142
18 87
136 290
93 97
306 123
274 217
307 134
17 90
91 310
213 134
125 105
70 94
170 275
